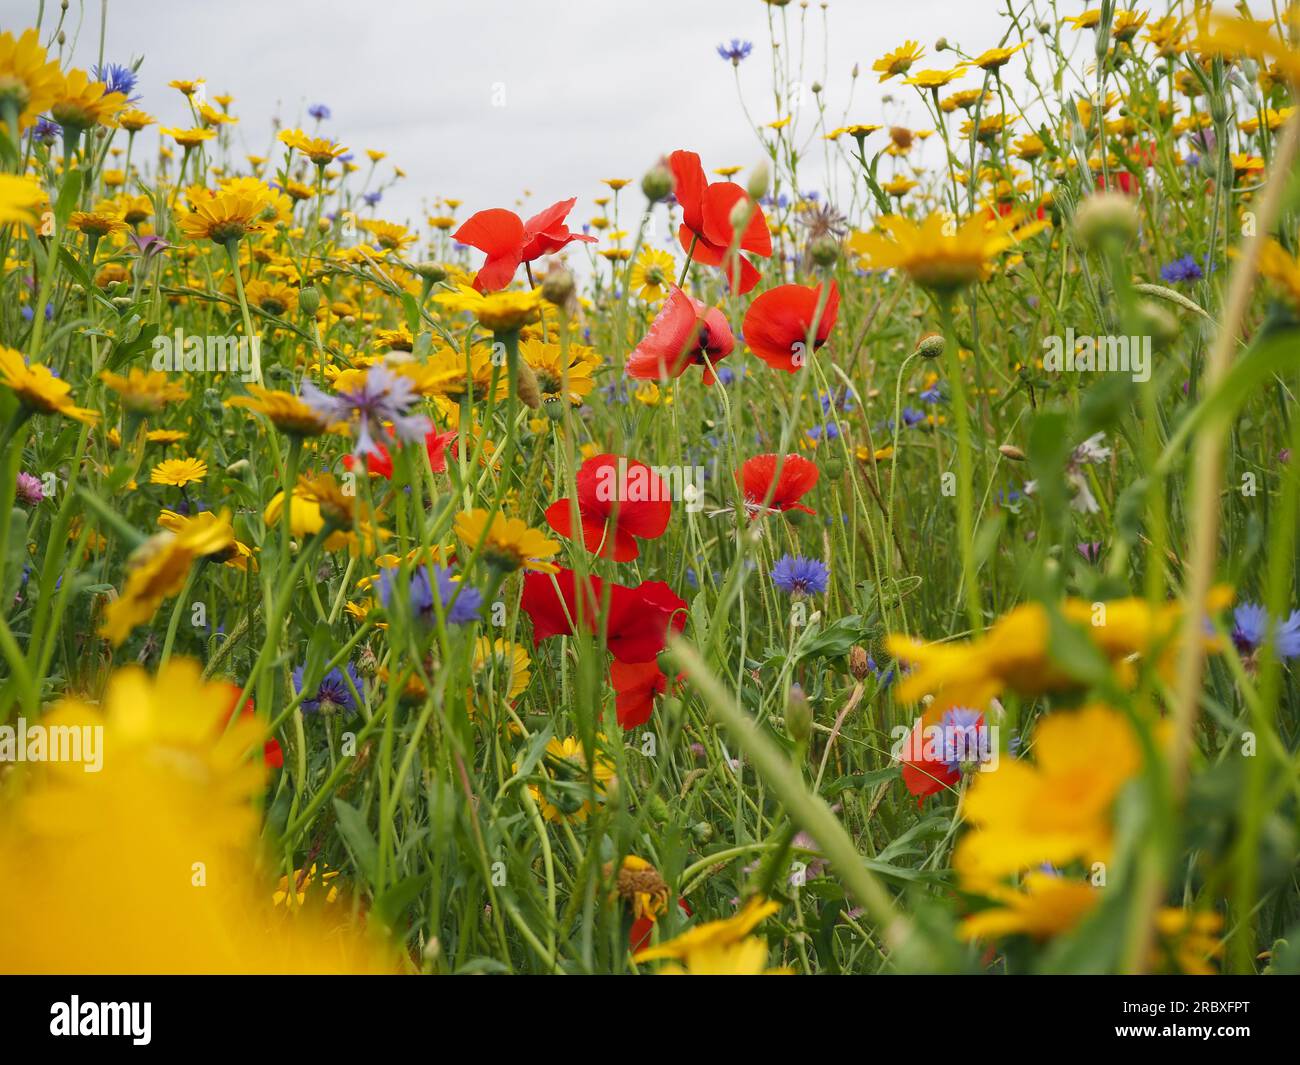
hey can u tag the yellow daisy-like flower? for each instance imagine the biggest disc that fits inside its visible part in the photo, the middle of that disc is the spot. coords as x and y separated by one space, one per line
398 339
728 171
652 274
1046 906
157 570
935 79
287 412
502 312
718 948
499 666
899 61
389 235
212 534
38 389
640 885
547 360
228 215
144 391
1279 267
81 103
29 83
616 183
20 199
1189 940
899 186
186 88
178 472
189 138
565 765
133 120
1124 27
211 118
997 57
165 436
274 297
937 254
1087 20
508 543
1056 810
320 150
135 209
1167 35
444 373
99 222
1029 147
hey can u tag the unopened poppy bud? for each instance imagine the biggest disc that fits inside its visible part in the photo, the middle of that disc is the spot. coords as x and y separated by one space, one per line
237 467
941 45
798 715
859 663
702 832
309 300
930 345
833 467
657 184
1010 451
530 393
431 271
553 408
759 180
558 286
1106 216
741 214
824 251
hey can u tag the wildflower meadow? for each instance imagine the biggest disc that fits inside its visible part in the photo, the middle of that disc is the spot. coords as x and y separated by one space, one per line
720 570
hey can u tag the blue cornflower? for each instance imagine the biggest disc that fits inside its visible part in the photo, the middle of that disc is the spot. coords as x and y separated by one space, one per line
319 112
332 693
47 131
735 51
382 397
1250 630
1183 269
116 78
933 394
912 416
965 739
468 599
372 198
796 575
832 432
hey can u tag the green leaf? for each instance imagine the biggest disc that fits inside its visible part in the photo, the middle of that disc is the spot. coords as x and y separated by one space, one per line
357 835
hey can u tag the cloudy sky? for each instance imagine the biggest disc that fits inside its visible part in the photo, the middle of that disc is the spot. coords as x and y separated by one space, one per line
485 99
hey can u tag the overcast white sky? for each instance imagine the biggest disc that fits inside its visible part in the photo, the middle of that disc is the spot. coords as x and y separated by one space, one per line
592 88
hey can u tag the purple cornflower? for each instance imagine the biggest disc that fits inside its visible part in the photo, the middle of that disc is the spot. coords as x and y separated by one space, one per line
1250 630
372 198
116 78
319 112
29 490
148 246
47 131
1183 269
796 575
912 416
382 397
965 738
332 693
735 51
468 600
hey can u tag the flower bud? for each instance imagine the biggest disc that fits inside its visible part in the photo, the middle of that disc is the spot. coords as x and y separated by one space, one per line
309 300
431 271
833 467
558 286
530 393
657 184
930 345
824 251
553 408
859 663
759 180
741 214
798 715
1106 216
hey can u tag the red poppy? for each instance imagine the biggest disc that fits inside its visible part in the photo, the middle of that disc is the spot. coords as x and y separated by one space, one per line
798 477
924 771
619 501
778 322
636 684
382 463
272 755
636 625
685 331
507 240
706 232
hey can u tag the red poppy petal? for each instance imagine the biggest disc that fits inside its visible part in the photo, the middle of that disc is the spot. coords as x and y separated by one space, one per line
689 184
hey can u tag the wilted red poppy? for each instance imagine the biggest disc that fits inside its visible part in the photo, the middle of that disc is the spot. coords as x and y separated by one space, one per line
619 500
272 754
778 322
635 685
706 232
636 624
685 331
381 463
797 478
507 240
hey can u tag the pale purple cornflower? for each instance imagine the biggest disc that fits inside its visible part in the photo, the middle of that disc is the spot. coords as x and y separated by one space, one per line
382 397
148 246
1250 630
